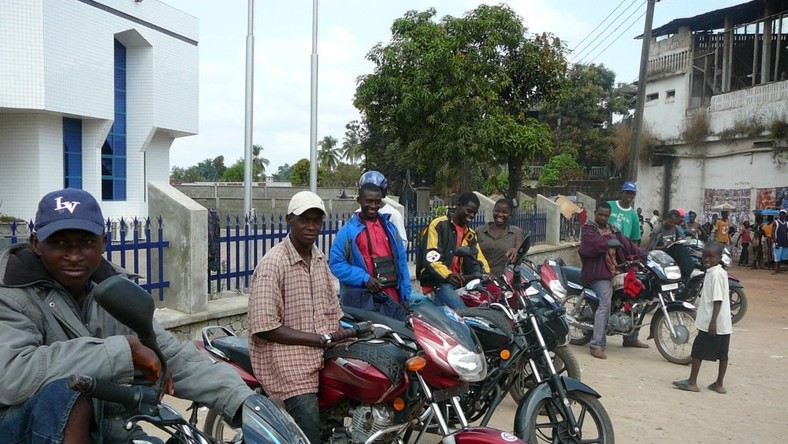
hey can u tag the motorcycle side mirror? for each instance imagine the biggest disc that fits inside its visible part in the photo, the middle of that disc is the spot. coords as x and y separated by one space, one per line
128 303
522 250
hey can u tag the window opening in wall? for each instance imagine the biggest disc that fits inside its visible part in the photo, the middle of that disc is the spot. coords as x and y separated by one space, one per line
670 95
652 96
113 152
72 153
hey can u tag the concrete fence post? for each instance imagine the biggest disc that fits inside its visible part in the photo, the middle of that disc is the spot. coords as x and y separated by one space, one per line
486 207
185 226
589 203
553 225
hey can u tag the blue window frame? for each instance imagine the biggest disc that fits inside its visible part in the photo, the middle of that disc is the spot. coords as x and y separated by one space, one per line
72 153
113 152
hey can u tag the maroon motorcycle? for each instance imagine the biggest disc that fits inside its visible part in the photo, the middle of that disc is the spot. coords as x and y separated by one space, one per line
385 385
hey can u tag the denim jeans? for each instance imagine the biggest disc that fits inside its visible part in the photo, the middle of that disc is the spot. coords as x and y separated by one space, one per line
42 418
306 412
446 294
604 291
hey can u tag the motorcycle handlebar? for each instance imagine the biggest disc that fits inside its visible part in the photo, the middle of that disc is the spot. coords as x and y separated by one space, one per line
128 396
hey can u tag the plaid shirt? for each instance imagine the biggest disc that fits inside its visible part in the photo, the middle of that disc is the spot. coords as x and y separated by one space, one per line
285 292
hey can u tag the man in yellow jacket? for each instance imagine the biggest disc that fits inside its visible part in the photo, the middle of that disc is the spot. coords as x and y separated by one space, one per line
437 268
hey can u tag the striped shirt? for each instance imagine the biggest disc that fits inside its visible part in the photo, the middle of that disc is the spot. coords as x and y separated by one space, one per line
285 291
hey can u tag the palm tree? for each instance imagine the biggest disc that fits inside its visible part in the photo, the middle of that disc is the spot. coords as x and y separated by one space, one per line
329 154
258 163
352 151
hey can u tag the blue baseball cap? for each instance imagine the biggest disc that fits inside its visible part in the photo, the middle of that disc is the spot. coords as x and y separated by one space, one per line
629 186
69 209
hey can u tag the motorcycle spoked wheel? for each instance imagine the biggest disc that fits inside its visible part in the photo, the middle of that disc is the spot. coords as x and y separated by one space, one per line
677 350
216 427
547 423
565 364
738 304
576 307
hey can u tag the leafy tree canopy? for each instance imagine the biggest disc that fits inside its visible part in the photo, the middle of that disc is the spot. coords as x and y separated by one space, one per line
454 94
560 169
300 175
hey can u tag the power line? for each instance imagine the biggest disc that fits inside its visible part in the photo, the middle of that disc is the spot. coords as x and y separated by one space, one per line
585 48
612 32
619 36
600 24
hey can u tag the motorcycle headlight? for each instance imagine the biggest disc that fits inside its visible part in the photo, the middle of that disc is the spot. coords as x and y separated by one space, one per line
468 365
673 272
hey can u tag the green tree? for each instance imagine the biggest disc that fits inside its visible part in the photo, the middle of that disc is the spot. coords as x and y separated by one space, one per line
283 173
259 163
352 149
300 175
344 175
454 95
186 175
235 172
560 169
329 154
581 118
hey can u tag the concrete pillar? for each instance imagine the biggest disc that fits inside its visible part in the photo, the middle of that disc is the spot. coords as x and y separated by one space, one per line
727 55
553 225
186 260
766 54
422 199
589 203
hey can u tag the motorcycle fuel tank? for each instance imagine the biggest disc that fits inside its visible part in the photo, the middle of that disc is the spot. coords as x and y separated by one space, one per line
480 435
367 371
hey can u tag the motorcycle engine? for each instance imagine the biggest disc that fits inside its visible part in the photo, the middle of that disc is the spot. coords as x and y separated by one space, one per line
369 419
620 321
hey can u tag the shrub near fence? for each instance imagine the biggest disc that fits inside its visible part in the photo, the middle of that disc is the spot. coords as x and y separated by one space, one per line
128 245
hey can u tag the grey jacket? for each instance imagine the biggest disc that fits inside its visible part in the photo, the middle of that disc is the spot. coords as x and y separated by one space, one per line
33 354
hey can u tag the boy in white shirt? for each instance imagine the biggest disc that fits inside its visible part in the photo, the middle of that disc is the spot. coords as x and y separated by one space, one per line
713 322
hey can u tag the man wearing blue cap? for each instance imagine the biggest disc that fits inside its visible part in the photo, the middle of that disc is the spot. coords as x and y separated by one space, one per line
623 214
51 327
624 217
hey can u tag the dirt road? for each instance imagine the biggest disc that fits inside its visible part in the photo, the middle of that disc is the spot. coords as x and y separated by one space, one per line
636 385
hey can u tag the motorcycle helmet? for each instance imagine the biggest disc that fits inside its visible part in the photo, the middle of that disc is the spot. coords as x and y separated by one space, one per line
375 178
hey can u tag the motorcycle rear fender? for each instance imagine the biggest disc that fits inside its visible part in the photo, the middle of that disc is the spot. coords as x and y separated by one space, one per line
543 391
734 283
480 435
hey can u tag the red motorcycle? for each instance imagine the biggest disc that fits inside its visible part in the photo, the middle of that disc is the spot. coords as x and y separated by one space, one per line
384 385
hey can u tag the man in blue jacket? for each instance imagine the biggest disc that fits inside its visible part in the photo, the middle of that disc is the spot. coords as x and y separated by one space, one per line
368 258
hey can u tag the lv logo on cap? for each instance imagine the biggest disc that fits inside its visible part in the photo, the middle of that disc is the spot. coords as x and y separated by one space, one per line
67 205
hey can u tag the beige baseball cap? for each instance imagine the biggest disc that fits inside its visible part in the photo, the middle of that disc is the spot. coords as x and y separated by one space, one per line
303 201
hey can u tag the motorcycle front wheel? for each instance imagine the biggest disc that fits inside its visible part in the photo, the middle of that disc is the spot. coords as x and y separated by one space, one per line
565 364
216 428
676 349
738 304
548 422
577 307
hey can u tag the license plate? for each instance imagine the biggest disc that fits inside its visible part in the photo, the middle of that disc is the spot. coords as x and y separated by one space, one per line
668 287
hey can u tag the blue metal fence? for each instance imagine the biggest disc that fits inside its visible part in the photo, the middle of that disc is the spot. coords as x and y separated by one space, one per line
132 251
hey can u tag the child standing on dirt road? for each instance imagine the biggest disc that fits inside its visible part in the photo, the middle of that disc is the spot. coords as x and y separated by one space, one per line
713 322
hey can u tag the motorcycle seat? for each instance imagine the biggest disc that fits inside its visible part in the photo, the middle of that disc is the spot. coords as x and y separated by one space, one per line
358 315
572 274
236 348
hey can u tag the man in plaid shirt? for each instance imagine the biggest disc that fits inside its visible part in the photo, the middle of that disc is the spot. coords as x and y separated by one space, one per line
294 315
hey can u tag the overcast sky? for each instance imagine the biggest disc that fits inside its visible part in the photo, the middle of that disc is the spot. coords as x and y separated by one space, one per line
348 29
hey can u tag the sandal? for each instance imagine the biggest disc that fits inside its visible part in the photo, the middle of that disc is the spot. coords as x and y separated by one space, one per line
685 385
713 387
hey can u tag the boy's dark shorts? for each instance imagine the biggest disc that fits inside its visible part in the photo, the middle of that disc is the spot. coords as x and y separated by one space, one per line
40 419
708 348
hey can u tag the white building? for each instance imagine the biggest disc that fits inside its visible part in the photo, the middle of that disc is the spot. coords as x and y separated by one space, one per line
726 68
92 94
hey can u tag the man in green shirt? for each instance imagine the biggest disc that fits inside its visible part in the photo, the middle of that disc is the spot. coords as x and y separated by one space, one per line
623 215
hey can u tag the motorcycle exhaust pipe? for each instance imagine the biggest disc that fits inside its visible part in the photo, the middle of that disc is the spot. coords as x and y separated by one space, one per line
573 322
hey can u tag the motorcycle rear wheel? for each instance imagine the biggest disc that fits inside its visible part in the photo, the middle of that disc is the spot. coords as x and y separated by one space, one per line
677 350
738 304
575 306
565 364
547 423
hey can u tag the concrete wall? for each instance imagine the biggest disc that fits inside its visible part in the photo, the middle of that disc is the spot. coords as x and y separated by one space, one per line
553 226
186 260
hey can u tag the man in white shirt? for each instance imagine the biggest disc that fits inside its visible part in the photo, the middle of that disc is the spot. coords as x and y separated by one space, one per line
377 178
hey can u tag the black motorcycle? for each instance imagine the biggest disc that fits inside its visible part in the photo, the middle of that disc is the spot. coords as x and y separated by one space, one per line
672 325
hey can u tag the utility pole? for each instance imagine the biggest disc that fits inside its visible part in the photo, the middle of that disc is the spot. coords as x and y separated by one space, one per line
637 125
313 102
249 111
